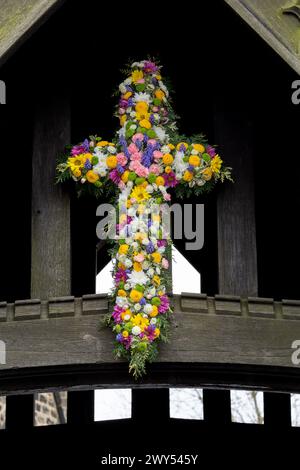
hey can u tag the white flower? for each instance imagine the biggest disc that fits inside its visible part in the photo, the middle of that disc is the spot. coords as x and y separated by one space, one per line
127 286
135 245
133 114
122 88
111 149
142 97
150 272
152 292
121 301
128 81
149 189
128 263
145 241
161 133
157 270
127 317
140 65
164 88
137 277
165 149
194 152
136 330
153 321
145 265
133 127
148 308
137 307
151 86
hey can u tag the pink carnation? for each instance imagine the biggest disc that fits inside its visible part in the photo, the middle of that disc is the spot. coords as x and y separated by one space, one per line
155 109
122 111
141 80
136 157
139 169
165 263
157 154
139 258
167 197
154 169
152 141
139 136
132 148
122 160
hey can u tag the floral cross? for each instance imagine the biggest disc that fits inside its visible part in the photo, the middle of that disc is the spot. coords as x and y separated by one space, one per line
146 159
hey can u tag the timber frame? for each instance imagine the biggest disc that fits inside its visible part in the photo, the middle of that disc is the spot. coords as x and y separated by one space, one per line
224 342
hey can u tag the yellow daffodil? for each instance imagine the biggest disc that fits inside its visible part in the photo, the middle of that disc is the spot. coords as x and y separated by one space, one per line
145 123
140 194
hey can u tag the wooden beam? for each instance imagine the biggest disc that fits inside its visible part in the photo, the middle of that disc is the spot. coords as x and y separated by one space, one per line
51 252
19 412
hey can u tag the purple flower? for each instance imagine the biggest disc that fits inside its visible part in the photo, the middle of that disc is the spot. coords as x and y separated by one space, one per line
150 248
150 67
161 243
211 151
191 168
114 176
182 148
143 301
152 119
130 102
123 104
88 165
170 179
86 145
120 169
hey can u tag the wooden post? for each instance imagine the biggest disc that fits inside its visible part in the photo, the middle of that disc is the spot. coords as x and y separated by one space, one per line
51 252
237 255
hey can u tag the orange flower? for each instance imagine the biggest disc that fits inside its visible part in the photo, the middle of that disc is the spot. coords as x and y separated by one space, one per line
92 177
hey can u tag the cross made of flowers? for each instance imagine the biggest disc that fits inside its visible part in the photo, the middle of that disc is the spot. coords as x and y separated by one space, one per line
146 158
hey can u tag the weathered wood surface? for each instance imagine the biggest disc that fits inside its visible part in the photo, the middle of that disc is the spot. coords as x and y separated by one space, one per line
279 30
51 237
220 330
237 251
19 19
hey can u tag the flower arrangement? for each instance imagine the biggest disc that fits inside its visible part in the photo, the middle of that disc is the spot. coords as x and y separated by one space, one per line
145 159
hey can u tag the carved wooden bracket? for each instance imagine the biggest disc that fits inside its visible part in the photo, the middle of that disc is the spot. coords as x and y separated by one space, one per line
293 8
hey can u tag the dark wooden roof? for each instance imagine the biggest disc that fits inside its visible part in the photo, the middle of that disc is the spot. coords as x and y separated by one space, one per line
277 22
19 19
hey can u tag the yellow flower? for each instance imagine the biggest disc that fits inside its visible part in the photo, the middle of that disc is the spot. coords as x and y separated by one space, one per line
171 146
154 312
102 143
207 174
125 314
121 266
139 193
156 280
194 160
125 175
160 181
112 161
141 107
156 217
75 163
135 295
156 256
138 320
128 203
127 95
137 266
123 218
123 120
123 249
168 159
145 123
140 236
125 334
180 144
91 176
199 147
157 332
77 172
216 164
188 176
142 115
168 169
141 208
158 77
137 75
159 94
122 293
